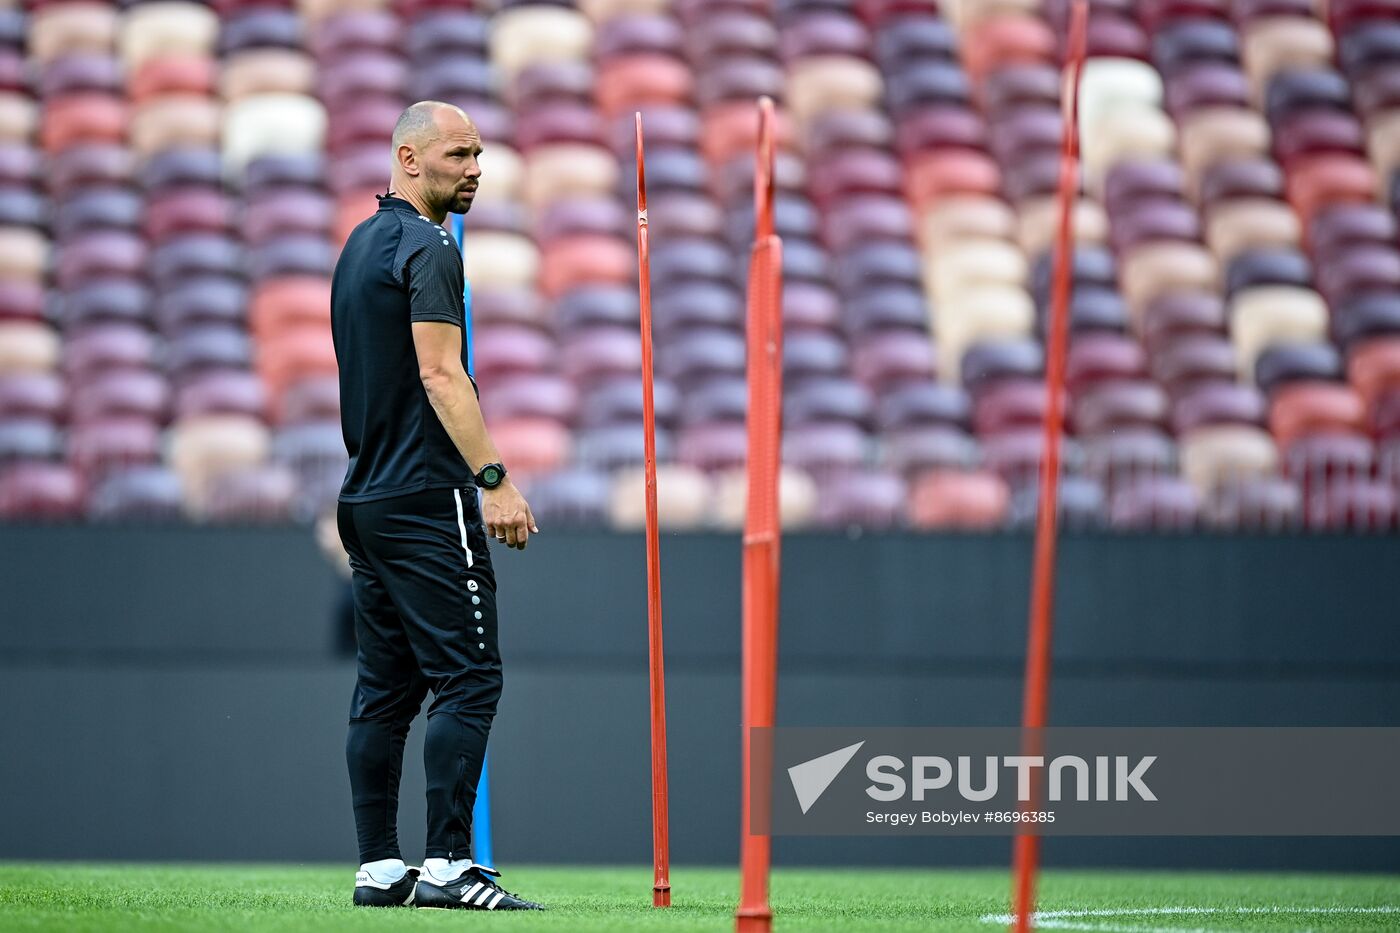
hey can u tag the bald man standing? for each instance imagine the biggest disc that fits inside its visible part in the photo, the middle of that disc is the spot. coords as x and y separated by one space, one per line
425 592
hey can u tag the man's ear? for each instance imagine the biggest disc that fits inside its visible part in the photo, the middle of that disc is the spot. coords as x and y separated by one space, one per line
408 160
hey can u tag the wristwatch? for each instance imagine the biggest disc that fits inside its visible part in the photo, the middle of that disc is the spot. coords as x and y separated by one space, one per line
491 475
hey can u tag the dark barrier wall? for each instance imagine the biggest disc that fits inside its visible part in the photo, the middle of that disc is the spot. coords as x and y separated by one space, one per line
172 693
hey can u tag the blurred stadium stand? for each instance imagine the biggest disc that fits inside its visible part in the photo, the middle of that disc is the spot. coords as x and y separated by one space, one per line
175 181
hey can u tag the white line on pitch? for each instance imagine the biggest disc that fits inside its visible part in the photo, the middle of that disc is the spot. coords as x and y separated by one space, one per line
1075 919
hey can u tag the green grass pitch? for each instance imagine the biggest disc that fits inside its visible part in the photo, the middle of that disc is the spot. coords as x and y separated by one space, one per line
266 898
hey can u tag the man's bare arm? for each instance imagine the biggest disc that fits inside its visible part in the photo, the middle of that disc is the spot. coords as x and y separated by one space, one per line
439 349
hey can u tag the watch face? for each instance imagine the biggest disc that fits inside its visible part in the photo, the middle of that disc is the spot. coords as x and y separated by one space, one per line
490 475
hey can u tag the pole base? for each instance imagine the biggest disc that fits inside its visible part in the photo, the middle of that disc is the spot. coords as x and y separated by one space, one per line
753 920
661 896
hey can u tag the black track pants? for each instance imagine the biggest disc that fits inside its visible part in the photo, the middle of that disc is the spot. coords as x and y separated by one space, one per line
425 619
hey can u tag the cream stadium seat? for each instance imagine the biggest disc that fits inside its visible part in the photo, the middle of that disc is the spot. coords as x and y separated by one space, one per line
970 263
166 27
501 259
207 446
502 173
683 497
72 28
1239 224
797 498
600 10
24 253
313 11
271 123
831 82
1165 265
1111 84
1040 221
267 71
19 117
1272 43
1268 314
562 170
1219 454
983 313
1213 134
957 219
28 347
964 14
1124 131
173 121
1383 142
522 35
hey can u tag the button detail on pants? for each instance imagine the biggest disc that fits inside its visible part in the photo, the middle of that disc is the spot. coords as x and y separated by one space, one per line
477 613
480 630
476 600
481 644
471 585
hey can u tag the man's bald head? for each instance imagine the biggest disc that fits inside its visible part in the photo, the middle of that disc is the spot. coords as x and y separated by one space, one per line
435 151
419 124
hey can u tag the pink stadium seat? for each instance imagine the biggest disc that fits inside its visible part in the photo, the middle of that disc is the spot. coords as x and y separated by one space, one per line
184 74
936 175
1374 367
628 81
958 500
83 117
47 491
1005 39
1302 408
533 444
1328 179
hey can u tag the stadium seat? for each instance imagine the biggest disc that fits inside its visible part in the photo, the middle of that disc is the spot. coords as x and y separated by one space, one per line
1304 407
1270 504
682 497
1288 362
1251 223
136 494
137 393
1270 314
1154 503
526 34
270 123
942 499
569 497
45 491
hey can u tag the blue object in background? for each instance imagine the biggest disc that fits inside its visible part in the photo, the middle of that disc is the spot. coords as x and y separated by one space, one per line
481 812
459 233
481 818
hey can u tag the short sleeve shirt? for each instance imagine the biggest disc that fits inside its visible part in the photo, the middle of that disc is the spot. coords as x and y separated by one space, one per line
397 267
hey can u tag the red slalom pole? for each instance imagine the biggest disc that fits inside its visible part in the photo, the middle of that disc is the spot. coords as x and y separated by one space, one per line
660 795
1026 850
762 537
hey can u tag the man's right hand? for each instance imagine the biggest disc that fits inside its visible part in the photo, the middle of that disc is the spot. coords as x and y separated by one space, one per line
507 516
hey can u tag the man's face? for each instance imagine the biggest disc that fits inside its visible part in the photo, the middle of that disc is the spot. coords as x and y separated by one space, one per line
449 163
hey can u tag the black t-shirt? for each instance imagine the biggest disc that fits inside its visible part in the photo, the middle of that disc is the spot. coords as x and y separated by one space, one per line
397 267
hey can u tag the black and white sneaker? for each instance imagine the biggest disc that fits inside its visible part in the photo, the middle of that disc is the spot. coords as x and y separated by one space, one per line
371 893
474 889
